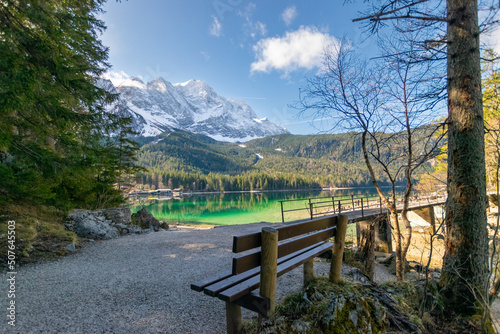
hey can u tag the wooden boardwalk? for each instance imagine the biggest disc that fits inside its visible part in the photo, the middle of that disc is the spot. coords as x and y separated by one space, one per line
369 213
356 211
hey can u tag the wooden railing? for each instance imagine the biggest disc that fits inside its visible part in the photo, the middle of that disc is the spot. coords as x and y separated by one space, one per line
321 206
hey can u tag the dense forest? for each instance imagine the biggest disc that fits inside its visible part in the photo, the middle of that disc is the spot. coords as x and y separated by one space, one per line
196 162
58 145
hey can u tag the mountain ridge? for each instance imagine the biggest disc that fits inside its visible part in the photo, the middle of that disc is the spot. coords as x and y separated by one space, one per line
192 106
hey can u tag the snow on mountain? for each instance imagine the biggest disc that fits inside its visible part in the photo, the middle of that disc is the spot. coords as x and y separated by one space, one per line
193 106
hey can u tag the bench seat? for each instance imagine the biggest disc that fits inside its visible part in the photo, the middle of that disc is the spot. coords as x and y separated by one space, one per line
290 246
245 287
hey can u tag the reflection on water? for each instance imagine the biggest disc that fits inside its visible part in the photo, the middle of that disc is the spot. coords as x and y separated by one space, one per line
236 208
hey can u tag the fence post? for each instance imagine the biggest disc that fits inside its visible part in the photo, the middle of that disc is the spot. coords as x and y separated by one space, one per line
362 212
338 249
333 204
282 213
380 203
311 208
269 267
352 200
340 207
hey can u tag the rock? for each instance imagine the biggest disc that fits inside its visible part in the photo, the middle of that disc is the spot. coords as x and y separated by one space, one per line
299 326
71 247
122 228
144 219
390 263
89 224
356 275
164 225
135 229
118 215
353 313
111 223
436 274
413 275
493 199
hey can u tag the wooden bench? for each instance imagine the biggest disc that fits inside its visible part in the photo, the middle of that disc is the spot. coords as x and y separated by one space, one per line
270 254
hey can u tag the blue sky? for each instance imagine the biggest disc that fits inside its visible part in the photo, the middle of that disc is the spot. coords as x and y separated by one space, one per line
258 51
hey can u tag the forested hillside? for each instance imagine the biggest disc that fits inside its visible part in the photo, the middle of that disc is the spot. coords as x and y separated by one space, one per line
196 162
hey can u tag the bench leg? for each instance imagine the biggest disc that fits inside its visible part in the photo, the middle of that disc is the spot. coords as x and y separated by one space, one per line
308 271
233 318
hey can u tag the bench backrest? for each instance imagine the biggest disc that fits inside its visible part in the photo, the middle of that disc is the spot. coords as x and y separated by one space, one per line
308 233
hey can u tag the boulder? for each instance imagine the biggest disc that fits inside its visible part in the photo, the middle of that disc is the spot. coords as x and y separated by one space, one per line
338 311
118 215
111 223
89 224
164 225
144 219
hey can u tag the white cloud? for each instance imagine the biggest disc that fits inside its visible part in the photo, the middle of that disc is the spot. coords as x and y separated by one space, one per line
289 14
254 29
302 48
116 78
216 27
205 55
257 28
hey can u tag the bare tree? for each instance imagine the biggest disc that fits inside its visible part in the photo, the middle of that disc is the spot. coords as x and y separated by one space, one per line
385 105
457 30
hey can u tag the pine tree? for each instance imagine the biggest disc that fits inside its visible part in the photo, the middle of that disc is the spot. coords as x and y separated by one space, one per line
53 144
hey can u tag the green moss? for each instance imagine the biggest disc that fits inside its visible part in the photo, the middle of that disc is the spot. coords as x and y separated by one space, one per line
39 232
324 307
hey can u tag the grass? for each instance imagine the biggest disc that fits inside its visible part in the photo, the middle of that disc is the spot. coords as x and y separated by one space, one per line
39 232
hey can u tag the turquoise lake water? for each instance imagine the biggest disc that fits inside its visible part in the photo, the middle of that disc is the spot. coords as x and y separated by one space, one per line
237 208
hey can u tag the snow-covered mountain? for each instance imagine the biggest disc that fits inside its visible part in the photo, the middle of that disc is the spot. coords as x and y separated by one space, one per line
192 106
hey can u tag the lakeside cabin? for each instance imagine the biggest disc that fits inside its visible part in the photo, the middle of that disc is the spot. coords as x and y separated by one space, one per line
157 192
177 192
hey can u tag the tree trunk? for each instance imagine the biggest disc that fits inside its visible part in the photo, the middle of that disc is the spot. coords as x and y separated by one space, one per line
366 247
400 258
465 262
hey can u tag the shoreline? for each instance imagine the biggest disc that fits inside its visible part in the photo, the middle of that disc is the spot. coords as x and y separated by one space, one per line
261 191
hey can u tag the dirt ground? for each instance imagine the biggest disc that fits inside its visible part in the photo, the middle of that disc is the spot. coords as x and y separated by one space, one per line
420 250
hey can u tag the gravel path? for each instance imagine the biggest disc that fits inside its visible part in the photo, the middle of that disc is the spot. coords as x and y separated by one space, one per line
133 284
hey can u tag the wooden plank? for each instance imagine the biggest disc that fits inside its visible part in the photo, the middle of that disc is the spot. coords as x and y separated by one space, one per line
216 287
199 286
254 302
246 262
244 288
253 240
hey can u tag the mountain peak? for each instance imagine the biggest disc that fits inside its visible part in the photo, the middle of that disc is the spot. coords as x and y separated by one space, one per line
191 106
133 82
159 84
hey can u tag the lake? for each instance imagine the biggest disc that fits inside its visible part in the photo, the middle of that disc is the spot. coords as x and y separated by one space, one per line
237 208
